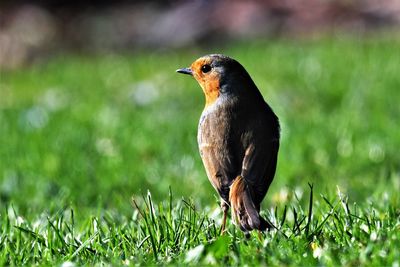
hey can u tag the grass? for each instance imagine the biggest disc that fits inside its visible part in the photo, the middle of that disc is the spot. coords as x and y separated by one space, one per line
329 232
82 135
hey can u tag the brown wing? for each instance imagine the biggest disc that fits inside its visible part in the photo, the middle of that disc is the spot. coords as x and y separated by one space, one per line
249 189
259 165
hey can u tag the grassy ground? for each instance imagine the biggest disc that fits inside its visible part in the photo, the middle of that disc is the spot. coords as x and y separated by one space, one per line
81 135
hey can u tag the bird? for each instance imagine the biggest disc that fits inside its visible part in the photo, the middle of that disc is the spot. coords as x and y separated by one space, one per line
238 139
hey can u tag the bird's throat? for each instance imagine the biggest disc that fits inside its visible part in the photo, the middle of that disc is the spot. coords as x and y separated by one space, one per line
211 91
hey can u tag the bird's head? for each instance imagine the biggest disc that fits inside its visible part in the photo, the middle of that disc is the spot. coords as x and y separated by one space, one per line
219 75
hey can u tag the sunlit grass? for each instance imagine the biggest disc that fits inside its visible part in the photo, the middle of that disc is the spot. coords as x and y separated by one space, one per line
327 231
81 135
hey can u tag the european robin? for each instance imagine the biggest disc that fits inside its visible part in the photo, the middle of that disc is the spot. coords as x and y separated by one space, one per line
238 138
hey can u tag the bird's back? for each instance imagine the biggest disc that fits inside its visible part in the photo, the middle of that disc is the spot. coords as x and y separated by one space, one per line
225 131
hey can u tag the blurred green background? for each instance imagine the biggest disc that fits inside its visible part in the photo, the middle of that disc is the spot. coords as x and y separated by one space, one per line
92 128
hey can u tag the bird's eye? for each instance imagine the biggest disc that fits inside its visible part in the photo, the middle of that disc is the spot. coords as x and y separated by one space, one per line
205 68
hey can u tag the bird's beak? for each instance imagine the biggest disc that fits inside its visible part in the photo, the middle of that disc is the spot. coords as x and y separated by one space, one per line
185 71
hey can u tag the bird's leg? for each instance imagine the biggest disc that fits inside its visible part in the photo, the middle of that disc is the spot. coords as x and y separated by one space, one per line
260 237
222 231
225 208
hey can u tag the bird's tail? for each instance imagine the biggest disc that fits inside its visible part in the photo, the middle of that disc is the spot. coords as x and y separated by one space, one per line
244 212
